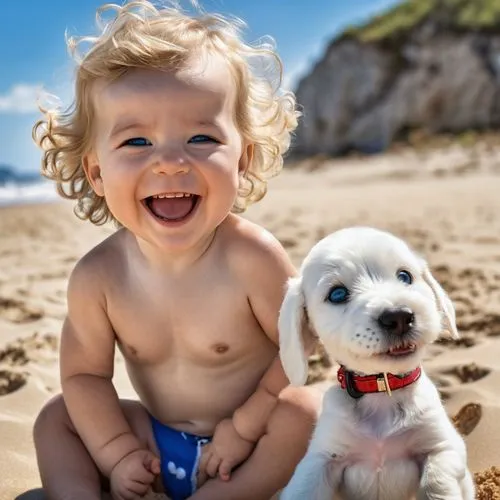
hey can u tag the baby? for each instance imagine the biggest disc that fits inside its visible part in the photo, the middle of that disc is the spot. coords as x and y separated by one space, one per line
172 133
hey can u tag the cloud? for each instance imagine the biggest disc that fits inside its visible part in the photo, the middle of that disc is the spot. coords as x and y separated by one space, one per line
21 98
292 76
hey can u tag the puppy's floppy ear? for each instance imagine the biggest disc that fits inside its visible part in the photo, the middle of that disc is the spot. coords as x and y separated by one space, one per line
290 325
444 303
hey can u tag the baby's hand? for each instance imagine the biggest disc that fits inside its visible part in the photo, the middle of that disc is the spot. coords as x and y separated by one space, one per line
134 474
226 451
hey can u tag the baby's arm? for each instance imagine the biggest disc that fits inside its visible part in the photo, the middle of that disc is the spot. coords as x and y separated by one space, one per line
86 358
265 269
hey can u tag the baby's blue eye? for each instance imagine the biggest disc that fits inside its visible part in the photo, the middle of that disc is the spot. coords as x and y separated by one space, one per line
338 294
201 138
137 141
405 277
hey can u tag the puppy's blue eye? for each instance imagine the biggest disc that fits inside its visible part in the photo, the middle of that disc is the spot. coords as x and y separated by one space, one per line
338 294
405 277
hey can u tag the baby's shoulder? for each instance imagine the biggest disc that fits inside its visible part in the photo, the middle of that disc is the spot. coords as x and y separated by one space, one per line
99 263
250 247
245 239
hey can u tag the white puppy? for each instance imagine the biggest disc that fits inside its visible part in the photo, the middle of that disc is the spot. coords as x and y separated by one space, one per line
374 305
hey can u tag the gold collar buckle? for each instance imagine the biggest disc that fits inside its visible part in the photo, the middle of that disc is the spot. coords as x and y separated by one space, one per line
383 384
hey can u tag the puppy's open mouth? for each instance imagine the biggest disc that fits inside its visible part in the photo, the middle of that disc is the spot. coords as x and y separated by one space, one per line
402 350
172 207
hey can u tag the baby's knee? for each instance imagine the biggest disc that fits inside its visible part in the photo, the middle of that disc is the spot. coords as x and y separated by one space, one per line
303 401
298 410
53 414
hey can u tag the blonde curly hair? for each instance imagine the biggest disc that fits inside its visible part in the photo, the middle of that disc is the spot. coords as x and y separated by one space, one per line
141 35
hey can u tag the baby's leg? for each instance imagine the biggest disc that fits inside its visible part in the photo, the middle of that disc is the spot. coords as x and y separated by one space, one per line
66 469
276 455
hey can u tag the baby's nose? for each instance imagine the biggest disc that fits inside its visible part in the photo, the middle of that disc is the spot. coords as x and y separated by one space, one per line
396 320
170 161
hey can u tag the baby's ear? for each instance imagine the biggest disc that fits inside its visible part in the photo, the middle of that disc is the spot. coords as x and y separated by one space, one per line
92 170
246 158
290 325
444 303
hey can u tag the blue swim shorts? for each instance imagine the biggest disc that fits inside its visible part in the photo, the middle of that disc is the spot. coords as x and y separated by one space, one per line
179 454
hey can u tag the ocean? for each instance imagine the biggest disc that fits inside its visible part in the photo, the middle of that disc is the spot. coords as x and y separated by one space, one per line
22 187
19 193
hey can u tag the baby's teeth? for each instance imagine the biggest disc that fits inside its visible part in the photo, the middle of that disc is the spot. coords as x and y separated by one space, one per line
173 195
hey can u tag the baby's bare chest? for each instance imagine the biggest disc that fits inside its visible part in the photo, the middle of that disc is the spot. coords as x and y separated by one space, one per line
210 322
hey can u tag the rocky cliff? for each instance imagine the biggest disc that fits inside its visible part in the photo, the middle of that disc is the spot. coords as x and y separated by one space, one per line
426 64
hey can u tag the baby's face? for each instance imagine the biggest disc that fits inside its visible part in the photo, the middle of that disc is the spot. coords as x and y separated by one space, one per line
168 152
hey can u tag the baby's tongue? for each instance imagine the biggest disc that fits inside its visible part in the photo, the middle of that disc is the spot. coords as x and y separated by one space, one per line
172 208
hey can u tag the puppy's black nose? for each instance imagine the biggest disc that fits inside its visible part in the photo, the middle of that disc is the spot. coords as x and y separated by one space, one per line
397 320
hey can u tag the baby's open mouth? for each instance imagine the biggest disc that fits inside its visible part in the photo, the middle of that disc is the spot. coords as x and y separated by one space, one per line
172 207
402 350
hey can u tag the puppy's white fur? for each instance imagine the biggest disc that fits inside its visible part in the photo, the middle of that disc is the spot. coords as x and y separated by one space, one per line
378 447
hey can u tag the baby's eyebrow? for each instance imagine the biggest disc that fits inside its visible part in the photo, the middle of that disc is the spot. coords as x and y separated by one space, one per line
124 125
205 123
121 127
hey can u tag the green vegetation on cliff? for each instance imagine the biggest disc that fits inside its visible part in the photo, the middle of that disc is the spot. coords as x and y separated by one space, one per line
480 15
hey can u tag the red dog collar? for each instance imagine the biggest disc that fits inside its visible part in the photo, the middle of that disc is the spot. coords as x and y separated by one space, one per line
358 385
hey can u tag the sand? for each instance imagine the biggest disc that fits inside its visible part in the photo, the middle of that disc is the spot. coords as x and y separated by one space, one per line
445 202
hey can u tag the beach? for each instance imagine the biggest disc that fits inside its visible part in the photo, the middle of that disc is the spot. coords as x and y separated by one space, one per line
444 202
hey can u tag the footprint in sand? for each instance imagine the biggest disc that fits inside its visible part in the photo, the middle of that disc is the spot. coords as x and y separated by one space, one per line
288 242
486 240
62 274
467 373
22 351
464 341
467 418
443 274
11 381
464 373
488 324
33 348
16 311
469 288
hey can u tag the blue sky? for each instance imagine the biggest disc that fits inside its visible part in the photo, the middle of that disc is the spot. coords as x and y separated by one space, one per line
34 53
